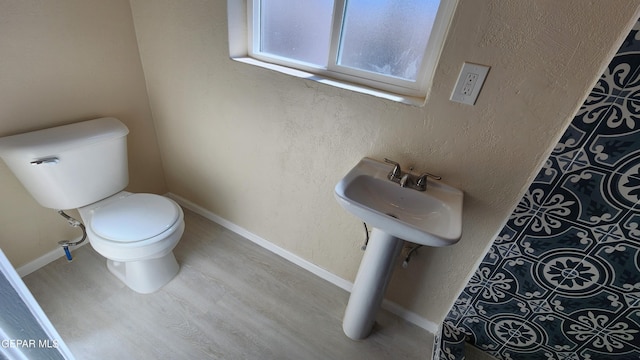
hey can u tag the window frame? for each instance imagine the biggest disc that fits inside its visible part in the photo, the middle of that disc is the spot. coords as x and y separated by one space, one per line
354 79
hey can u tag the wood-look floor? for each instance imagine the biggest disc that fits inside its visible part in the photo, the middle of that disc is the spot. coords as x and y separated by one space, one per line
231 300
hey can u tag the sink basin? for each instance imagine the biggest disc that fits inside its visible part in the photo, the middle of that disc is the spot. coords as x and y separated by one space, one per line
432 217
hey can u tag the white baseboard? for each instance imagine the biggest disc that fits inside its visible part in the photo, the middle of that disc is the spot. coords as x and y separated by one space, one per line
314 269
43 260
410 316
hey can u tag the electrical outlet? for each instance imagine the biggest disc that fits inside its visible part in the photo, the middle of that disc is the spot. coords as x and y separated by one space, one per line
469 83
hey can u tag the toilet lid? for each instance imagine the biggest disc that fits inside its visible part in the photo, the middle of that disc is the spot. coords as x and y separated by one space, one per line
135 217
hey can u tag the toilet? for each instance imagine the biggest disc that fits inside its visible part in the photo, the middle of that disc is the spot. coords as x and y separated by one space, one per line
84 166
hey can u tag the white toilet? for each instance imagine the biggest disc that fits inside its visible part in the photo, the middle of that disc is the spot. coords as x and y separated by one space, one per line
84 166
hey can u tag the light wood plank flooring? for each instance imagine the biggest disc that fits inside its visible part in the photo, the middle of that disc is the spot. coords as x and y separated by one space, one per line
231 300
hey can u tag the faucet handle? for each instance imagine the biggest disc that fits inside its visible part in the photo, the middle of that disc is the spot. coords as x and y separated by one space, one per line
422 179
396 172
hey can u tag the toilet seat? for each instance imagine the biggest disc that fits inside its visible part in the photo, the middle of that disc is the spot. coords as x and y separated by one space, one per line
134 218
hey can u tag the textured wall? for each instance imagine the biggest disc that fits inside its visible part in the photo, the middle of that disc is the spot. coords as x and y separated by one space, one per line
264 150
562 280
64 61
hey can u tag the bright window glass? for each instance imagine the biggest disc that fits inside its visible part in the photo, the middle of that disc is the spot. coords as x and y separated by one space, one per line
387 37
299 30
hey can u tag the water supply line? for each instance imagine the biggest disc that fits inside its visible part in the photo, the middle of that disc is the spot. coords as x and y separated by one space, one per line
66 243
414 249
366 241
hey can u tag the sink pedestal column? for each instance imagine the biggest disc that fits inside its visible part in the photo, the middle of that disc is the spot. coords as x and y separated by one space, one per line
371 282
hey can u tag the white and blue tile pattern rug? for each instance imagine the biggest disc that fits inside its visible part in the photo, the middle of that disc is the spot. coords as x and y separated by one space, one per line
562 280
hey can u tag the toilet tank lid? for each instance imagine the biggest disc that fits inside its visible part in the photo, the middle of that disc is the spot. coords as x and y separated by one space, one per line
59 138
135 217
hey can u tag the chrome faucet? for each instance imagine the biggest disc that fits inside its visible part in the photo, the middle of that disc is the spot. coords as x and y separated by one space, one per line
396 172
406 179
422 179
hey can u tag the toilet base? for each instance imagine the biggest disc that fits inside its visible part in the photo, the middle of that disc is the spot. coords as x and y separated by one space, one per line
145 276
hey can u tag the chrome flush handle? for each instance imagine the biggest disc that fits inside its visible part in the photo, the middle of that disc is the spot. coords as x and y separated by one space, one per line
46 161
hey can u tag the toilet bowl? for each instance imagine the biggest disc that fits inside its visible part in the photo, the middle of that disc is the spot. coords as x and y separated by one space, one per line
84 166
137 234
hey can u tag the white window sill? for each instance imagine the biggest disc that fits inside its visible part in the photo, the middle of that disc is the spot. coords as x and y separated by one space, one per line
415 101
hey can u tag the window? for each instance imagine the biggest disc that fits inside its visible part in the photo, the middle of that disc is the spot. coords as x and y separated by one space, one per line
390 45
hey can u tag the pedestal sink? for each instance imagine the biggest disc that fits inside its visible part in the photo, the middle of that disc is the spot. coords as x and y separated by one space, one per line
432 217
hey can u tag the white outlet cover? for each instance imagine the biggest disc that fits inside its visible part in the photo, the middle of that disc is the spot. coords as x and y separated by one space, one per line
469 68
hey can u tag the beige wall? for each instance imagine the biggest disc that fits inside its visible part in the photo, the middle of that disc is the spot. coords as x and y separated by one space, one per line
264 150
64 61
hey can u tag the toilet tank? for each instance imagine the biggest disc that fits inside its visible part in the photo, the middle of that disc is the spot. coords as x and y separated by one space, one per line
70 166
